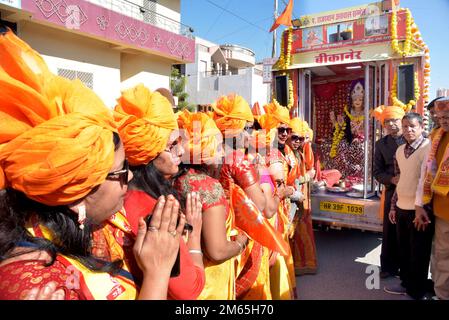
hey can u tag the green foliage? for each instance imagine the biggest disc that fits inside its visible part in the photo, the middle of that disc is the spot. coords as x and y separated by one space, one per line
177 85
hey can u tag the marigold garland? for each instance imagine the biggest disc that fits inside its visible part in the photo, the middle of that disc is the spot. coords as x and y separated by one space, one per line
408 34
339 133
291 96
353 118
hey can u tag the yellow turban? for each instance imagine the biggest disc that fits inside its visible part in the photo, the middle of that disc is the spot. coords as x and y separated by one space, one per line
300 127
203 136
387 112
146 120
231 113
52 149
275 116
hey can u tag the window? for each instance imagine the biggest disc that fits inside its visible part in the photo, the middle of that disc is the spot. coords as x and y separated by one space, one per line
340 32
406 83
85 77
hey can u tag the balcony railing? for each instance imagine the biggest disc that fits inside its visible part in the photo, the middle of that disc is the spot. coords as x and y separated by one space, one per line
146 15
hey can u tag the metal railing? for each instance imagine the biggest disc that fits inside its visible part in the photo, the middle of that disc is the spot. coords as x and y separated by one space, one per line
146 15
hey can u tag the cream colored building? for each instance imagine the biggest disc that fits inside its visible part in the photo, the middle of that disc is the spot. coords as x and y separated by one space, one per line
109 44
224 69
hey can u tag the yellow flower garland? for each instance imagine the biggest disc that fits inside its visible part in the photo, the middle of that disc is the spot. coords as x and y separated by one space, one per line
353 118
339 133
406 107
291 96
408 34
285 57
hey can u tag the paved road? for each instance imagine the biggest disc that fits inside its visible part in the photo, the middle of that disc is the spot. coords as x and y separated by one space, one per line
343 258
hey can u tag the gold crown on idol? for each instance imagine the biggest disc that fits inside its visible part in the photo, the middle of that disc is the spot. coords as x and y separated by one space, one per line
358 91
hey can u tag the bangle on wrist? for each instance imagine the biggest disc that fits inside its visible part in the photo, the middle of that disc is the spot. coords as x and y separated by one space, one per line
196 251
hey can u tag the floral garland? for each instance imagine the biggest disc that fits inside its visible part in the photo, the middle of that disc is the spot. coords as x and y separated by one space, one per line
353 118
339 133
408 34
285 57
291 96
406 107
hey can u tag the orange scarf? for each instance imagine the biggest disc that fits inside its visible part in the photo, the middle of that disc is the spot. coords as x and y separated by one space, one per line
436 177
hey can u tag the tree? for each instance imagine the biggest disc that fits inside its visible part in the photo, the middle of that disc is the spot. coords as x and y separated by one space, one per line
177 86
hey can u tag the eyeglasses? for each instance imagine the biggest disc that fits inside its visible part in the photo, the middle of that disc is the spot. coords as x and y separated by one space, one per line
282 130
297 138
121 174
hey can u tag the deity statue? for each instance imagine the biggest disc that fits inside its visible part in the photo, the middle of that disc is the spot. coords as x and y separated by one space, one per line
346 152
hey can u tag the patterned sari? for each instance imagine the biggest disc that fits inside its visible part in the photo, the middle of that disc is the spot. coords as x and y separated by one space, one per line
220 277
77 281
303 240
282 272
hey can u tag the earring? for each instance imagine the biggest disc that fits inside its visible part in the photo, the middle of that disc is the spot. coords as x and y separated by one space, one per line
81 216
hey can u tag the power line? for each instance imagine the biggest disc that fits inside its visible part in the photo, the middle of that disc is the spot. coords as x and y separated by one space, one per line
294 15
236 15
218 18
239 29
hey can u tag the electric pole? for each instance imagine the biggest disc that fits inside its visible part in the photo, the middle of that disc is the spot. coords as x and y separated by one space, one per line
273 51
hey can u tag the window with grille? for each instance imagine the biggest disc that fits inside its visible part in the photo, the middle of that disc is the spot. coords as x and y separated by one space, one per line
85 77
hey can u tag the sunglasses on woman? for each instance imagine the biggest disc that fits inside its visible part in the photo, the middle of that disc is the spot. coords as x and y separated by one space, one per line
296 138
282 130
121 174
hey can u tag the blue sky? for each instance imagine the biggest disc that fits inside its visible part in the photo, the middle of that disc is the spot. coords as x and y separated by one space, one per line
222 27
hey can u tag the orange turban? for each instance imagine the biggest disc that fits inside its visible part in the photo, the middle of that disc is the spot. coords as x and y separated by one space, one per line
146 120
203 136
231 113
442 104
275 116
388 112
55 134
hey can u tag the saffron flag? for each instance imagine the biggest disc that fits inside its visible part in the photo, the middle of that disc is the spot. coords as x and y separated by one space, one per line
285 18
249 219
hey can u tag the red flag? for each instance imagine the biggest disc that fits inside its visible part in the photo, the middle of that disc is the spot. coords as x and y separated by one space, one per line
285 18
257 227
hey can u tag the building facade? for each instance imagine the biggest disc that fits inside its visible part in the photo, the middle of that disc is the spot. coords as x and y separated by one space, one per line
221 70
110 45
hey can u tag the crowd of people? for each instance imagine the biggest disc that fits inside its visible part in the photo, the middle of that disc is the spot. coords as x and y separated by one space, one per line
412 166
142 203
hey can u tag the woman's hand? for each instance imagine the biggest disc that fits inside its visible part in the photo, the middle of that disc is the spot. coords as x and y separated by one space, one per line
194 210
156 247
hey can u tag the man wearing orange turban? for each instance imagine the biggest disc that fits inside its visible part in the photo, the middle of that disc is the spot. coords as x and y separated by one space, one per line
391 119
146 121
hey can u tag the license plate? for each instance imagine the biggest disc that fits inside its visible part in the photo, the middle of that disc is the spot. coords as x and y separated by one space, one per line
345 208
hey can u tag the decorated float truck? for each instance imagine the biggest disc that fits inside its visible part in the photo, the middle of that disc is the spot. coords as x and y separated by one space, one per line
334 69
